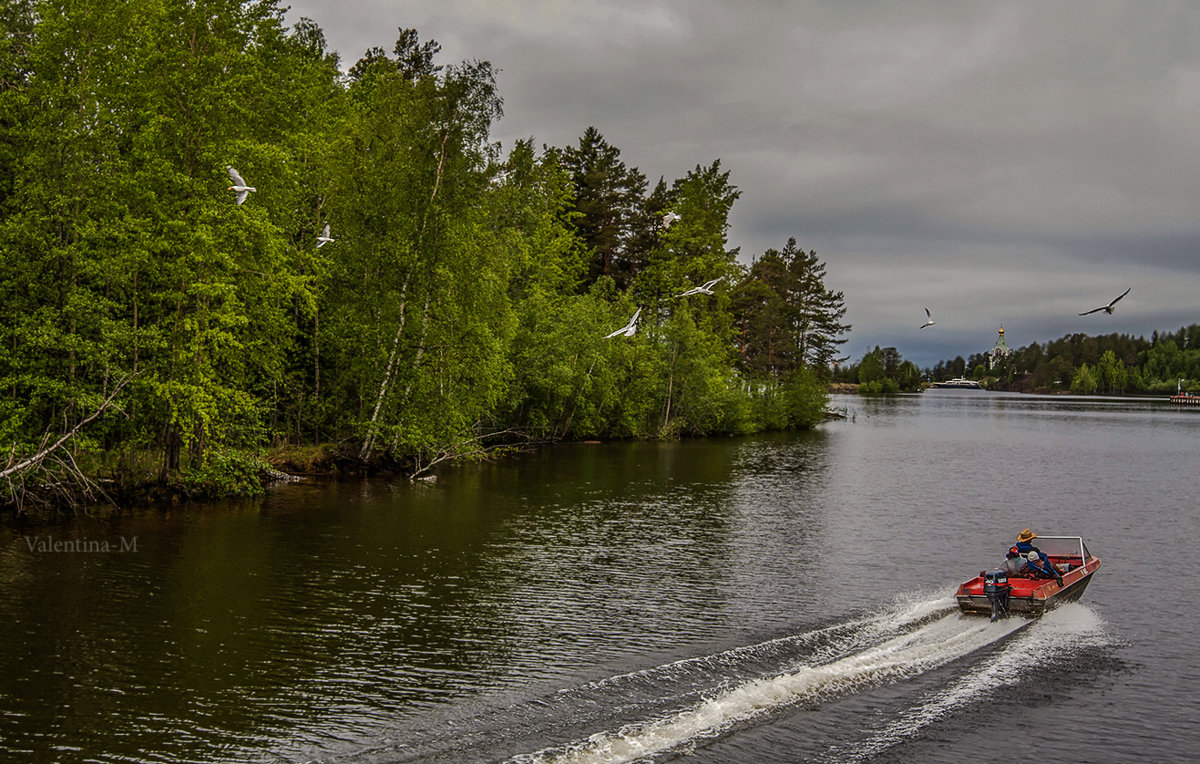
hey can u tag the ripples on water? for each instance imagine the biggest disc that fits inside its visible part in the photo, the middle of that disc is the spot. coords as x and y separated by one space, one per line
665 711
727 600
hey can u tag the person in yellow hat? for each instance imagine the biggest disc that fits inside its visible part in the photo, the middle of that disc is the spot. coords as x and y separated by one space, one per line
1024 543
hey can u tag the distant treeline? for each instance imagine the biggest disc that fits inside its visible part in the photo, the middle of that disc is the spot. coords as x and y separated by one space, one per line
154 329
1106 364
882 370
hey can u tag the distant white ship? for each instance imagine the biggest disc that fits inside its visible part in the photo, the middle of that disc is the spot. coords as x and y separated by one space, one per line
960 382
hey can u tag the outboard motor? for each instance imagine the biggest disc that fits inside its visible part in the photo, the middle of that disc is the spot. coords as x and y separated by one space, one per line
997 589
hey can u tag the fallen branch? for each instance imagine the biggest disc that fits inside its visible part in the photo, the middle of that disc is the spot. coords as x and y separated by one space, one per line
45 452
282 477
467 447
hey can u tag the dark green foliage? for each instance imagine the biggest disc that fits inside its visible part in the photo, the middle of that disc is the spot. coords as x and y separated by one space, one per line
225 473
806 399
788 319
607 201
465 294
122 250
883 370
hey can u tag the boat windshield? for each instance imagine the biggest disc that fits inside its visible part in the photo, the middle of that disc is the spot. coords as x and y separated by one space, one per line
1064 547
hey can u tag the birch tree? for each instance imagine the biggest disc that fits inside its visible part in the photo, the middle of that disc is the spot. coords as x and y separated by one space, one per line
421 295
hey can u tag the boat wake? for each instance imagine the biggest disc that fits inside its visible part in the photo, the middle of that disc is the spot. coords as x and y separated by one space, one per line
1070 628
892 646
684 706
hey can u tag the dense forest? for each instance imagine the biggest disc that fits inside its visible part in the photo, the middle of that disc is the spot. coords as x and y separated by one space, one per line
392 288
1112 364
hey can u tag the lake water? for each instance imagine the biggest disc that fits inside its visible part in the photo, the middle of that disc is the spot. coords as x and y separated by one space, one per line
782 598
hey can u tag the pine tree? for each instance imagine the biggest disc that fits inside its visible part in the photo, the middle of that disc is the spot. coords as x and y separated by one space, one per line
790 319
608 200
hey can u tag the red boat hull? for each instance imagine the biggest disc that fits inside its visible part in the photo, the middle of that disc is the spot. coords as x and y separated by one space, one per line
1030 596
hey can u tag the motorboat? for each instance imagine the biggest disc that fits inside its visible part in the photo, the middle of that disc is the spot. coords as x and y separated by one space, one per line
958 382
1007 590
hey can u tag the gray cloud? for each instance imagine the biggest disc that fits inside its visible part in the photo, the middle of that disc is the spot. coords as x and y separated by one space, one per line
1008 163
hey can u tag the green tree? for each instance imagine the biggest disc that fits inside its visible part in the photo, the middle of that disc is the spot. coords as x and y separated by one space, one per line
788 317
1085 380
1111 375
698 378
908 376
464 297
871 368
884 370
607 198
806 399
419 309
693 334
123 252
220 280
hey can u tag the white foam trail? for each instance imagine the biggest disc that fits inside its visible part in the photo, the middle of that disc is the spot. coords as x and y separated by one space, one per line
1070 626
905 612
934 644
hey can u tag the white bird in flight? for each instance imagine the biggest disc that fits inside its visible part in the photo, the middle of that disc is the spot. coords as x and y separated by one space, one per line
324 239
670 218
705 288
629 328
239 185
1107 308
928 319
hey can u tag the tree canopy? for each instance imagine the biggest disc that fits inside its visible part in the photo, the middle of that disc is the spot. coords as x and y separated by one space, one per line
462 301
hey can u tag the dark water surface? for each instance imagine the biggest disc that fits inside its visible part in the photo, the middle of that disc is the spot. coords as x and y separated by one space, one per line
784 598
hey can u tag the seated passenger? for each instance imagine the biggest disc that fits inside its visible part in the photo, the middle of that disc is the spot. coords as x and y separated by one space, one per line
1037 566
1014 565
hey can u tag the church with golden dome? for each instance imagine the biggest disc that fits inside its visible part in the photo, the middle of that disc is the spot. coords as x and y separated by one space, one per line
1001 350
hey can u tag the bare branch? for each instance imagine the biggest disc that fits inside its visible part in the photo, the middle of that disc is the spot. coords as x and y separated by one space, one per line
45 451
464 447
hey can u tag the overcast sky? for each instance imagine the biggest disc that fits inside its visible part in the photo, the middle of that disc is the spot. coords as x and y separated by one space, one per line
1009 163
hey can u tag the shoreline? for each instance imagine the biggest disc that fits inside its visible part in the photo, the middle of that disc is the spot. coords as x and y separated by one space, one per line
275 467
282 465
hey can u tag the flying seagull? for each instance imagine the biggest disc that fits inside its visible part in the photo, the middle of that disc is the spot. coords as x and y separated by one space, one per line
629 328
928 319
705 288
239 185
670 218
1107 308
324 239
